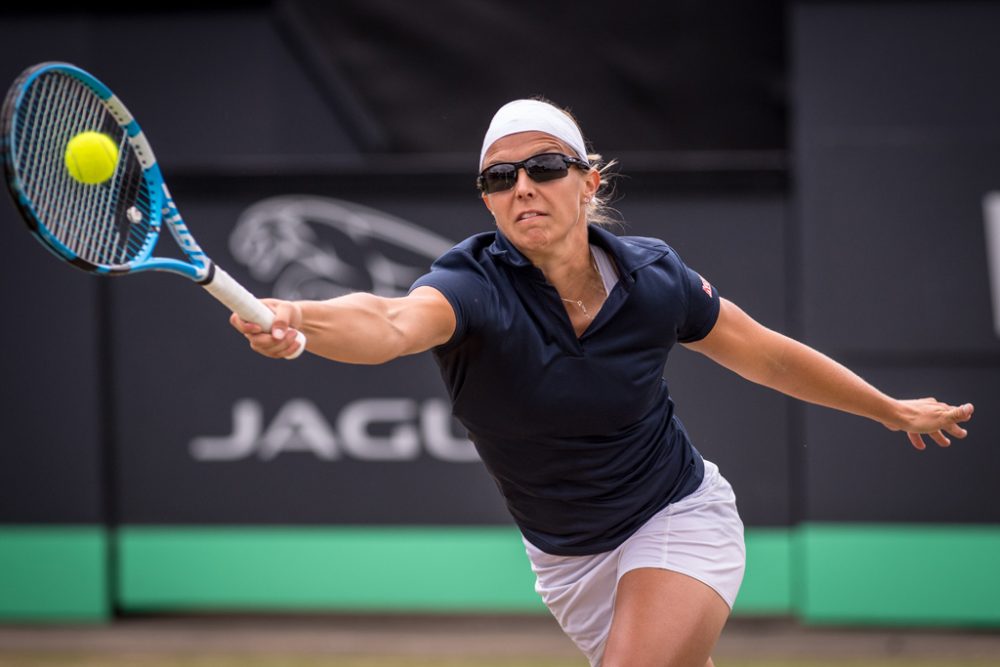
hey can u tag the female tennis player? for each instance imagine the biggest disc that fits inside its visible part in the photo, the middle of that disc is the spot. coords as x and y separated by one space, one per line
551 335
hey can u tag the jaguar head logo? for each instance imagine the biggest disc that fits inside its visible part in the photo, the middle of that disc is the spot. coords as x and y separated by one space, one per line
317 248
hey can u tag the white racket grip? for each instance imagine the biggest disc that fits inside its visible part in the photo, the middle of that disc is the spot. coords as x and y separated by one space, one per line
239 299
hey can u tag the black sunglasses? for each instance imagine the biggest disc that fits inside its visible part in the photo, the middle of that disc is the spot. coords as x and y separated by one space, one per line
540 168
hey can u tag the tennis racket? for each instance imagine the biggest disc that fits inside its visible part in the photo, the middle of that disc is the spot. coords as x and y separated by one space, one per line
110 227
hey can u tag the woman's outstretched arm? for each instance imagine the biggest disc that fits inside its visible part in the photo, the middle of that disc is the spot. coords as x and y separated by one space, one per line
771 359
358 328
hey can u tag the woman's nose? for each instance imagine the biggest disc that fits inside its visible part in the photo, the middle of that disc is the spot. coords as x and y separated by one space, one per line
524 184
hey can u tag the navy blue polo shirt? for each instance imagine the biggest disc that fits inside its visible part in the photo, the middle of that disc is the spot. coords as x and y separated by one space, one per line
579 434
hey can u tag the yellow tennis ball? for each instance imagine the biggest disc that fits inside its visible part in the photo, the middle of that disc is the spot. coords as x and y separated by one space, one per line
91 157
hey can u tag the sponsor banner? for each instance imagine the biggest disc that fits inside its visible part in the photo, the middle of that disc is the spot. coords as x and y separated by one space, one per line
413 429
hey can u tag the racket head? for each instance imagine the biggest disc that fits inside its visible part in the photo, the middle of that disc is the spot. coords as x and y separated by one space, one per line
109 227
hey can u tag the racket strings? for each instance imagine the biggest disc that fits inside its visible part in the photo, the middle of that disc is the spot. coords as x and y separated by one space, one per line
108 223
53 200
61 198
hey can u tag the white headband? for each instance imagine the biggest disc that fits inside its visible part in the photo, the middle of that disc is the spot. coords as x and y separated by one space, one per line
528 115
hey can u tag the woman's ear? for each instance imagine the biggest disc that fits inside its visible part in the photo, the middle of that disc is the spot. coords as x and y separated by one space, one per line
592 183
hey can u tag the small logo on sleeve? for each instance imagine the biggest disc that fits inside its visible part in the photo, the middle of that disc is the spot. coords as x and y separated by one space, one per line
706 287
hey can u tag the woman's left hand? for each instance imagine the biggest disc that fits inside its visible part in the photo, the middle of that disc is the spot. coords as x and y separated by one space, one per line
929 416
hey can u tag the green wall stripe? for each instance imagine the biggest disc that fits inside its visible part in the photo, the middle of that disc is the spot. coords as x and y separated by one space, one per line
53 573
899 574
386 568
843 573
767 584
399 568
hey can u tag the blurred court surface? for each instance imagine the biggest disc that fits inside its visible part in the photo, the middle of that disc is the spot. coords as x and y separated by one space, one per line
475 640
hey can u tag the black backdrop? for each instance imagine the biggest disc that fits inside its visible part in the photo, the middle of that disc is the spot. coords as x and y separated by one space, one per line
867 243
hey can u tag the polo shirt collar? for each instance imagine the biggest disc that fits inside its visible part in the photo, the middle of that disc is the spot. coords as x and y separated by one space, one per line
505 251
629 257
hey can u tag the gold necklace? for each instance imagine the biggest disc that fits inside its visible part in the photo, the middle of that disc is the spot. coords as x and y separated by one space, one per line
580 305
579 302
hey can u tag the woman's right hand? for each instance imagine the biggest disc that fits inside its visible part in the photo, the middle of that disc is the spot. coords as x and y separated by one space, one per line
929 416
281 341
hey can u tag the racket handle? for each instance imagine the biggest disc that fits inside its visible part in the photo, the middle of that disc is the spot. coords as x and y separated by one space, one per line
225 288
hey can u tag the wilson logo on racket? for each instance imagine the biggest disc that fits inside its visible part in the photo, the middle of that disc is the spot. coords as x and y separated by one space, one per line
318 248
183 236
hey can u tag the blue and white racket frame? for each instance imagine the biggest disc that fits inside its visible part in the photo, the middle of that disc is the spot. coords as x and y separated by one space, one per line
162 209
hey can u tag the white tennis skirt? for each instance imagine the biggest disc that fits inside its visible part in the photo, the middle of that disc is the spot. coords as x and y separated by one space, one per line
700 535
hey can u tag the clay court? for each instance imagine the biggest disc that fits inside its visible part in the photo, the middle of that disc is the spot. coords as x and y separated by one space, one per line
477 641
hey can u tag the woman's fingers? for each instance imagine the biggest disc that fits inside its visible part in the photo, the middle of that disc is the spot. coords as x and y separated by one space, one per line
963 412
283 341
917 441
940 438
956 430
268 345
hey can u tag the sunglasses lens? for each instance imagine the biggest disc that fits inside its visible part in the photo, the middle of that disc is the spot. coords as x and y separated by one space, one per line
499 177
543 168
